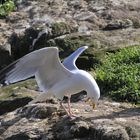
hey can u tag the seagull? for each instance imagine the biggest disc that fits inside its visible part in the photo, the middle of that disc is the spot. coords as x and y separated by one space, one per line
53 77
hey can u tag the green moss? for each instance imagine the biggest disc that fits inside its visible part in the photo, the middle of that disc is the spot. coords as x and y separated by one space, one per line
119 75
74 41
6 7
61 28
17 90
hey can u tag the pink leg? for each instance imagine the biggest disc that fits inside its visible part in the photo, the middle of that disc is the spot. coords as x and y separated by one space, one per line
69 106
69 109
69 112
61 103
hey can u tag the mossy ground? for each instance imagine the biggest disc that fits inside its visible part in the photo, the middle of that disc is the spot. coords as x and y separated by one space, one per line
21 89
62 28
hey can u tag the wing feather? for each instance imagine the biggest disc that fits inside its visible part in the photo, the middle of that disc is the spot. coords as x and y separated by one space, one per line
69 62
44 64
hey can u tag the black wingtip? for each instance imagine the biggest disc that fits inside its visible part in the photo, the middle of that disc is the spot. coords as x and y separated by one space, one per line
4 72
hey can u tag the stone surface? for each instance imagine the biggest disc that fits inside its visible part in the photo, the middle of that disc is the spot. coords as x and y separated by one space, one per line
119 24
17 95
111 120
103 25
12 104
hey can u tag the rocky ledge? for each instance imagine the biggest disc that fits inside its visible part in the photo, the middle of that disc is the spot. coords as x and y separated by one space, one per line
47 121
102 25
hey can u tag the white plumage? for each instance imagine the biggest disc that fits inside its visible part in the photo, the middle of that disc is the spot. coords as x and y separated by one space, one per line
53 77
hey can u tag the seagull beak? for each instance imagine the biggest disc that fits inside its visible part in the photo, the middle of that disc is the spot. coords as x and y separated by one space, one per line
88 101
93 105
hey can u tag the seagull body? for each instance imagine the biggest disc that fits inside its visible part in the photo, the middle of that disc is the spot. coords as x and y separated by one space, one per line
79 81
53 77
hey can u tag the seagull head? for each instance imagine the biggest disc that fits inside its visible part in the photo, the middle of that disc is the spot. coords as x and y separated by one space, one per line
93 91
92 101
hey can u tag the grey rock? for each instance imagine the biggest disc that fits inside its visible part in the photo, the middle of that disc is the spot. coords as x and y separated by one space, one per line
106 132
132 132
98 9
83 16
80 129
23 136
5 57
2 129
12 104
38 111
86 16
83 29
1 138
17 95
119 24
46 122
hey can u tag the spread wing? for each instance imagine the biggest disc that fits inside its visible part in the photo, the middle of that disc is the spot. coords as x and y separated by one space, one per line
44 64
69 62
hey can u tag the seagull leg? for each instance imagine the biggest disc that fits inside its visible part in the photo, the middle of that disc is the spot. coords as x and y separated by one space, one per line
69 106
61 103
69 109
69 112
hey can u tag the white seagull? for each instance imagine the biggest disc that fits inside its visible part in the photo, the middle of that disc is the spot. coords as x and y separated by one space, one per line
53 77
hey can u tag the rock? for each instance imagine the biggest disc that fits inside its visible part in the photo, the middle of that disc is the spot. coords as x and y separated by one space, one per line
85 16
66 129
109 132
98 9
136 22
103 26
61 28
35 38
46 122
20 43
83 28
132 132
83 129
1 138
22 31
12 104
38 111
80 129
17 95
32 115
119 24
5 58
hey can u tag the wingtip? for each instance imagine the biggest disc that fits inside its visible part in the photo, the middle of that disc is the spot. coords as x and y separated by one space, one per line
85 47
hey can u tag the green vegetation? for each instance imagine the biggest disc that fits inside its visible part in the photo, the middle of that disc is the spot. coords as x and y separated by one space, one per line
119 75
6 7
